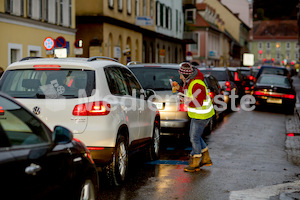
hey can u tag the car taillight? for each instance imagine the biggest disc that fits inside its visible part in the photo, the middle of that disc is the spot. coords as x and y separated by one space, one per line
95 148
289 96
251 78
1 110
92 109
259 93
247 88
46 67
183 108
236 77
227 84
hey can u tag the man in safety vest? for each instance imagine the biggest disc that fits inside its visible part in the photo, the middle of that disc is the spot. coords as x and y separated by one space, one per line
200 110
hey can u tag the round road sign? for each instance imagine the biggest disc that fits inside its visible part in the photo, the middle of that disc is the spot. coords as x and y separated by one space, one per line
60 42
49 43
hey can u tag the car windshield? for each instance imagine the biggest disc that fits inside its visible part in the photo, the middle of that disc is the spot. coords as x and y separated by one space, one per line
274 80
54 84
156 78
219 75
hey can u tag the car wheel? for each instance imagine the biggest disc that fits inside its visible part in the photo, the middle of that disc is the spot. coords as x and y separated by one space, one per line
154 147
116 171
88 191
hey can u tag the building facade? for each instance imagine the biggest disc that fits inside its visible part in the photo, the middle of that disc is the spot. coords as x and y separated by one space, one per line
234 28
275 41
130 30
25 24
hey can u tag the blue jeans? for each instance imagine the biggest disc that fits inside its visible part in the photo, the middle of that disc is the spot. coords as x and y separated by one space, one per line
196 130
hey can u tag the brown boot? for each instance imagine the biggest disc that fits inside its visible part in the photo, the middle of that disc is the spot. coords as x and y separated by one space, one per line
193 164
206 161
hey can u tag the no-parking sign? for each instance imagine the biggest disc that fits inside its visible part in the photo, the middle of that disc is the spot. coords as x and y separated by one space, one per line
48 43
60 42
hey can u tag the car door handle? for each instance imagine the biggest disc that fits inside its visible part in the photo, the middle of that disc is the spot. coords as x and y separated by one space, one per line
32 169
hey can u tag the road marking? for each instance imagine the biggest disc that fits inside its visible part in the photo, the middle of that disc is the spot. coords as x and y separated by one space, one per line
265 192
168 162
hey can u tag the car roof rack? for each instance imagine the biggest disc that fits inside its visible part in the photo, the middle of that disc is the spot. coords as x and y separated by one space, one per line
101 57
30 58
134 63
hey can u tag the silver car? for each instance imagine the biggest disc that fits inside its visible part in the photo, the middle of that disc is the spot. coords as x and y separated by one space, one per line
173 113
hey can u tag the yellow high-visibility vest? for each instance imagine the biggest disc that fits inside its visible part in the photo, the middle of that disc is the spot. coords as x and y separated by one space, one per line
206 110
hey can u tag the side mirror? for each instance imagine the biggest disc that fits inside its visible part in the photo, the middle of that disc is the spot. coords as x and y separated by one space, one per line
150 94
62 135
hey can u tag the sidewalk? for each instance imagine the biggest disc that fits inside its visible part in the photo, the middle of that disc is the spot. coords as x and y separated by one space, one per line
292 142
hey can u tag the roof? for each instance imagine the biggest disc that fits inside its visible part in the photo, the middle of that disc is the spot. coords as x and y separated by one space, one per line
87 63
275 29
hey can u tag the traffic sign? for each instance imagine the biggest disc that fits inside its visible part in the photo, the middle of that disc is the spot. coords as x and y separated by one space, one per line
60 42
78 43
48 43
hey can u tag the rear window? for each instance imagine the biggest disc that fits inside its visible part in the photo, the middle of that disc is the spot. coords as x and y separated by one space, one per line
274 80
274 70
54 84
156 78
219 75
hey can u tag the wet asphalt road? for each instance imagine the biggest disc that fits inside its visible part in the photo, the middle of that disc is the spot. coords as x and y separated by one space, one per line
247 150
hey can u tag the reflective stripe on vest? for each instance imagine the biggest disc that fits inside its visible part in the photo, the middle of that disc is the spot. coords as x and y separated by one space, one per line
206 110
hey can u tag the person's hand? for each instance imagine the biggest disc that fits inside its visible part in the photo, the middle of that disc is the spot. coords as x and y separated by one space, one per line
176 85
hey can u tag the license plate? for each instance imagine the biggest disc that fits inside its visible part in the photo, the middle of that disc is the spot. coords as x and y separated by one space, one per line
159 105
274 100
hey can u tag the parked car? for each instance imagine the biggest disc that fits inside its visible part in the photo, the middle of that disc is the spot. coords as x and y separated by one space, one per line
226 81
215 93
173 114
97 98
275 90
277 70
249 79
37 163
238 80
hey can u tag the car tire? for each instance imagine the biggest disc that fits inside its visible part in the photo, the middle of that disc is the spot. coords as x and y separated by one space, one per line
154 148
116 171
87 191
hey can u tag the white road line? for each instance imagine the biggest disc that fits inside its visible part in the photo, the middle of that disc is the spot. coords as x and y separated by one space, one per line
264 193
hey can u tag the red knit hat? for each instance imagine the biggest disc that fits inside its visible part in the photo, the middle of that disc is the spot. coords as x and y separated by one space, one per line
186 68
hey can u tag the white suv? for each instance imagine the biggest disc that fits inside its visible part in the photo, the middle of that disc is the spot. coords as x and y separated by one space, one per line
97 98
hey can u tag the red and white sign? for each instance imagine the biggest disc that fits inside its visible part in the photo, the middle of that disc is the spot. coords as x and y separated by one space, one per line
49 43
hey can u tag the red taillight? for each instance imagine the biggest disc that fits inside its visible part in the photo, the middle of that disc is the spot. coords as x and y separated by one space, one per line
290 134
247 88
183 108
1 110
289 96
92 109
251 78
46 67
236 77
259 93
227 84
95 148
